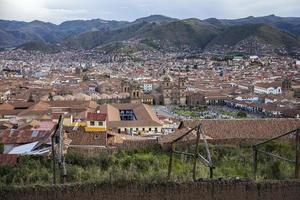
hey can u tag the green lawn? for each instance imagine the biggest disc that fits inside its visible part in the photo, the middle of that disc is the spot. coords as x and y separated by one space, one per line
189 111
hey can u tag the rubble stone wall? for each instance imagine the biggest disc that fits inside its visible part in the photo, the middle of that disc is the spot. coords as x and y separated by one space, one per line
204 190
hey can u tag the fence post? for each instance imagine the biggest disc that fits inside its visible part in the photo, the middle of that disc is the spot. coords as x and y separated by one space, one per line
254 162
211 172
53 158
170 161
196 153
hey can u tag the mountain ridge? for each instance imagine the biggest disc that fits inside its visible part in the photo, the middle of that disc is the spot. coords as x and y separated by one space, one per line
155 31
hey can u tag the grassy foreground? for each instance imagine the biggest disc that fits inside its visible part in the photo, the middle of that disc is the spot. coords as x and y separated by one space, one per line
151 166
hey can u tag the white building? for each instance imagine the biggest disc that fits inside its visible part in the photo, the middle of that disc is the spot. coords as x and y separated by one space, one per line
148 87
5 95
267 88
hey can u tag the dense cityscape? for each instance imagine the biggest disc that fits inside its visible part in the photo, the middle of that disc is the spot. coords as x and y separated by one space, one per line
156 108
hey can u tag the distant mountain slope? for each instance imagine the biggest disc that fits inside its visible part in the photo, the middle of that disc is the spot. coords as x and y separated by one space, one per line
19 33
215 21
261 33
40 46
81 26
290 24
270 19
179 34
154 32
37 31
93 39
22 32
155 18
124 47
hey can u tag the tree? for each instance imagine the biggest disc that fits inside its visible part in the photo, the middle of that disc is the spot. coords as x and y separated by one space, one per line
50 96
30 99
241 114
85 78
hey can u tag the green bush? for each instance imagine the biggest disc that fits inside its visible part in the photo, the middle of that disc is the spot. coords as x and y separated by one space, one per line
241 114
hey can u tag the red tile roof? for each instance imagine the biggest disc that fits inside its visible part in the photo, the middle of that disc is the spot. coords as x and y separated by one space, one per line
96 116
23 136
245 128
80 137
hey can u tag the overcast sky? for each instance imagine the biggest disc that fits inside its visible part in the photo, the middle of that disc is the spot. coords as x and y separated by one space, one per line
57 11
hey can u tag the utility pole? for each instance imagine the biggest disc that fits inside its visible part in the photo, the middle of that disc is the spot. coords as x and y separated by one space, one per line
57 141
61 157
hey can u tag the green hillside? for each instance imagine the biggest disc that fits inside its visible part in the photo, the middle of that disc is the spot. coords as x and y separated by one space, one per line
264 33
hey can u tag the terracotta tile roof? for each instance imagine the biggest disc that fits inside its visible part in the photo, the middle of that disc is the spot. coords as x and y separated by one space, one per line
10 112
6 106
45 107
73 104
8 159
16 105
175 135
96 116
245 128
36 113
44 126
143 113
42 105
268 85
23 136
80 137
181 133
22 104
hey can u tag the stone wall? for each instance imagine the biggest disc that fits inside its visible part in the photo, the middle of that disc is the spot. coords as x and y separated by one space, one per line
204 190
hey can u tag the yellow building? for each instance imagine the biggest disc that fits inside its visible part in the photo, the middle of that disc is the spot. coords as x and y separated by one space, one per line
96 122
75 120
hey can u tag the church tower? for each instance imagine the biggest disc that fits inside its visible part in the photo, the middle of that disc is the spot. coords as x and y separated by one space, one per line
182 83
166 88
125 86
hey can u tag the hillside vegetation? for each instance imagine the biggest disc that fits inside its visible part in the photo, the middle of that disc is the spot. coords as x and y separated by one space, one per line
151 166
264 33
156 31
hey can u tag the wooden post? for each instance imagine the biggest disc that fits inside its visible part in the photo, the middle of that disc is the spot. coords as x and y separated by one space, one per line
211 172
170 161
63 171
211 167
53 158
297 167
196 153
254 162
61 158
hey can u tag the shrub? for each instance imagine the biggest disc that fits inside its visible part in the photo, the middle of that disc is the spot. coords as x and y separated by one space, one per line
241 114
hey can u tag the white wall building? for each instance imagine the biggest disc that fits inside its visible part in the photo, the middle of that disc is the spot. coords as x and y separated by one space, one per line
267 88
148 87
